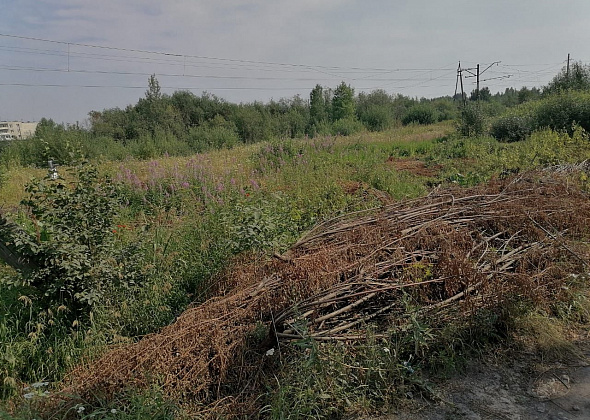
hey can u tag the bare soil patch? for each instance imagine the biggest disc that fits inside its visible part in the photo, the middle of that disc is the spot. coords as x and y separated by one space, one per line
414 166
518 386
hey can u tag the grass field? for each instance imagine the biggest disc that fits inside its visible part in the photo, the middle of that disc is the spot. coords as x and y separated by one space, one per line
194 218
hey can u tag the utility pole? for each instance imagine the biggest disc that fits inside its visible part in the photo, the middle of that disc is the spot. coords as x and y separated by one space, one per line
477 88
460 79
568 66
477 74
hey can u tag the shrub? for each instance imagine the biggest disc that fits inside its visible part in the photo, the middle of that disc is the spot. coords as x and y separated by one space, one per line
260 223
445 110
106 148
376 118
149 146
420 114
202 139
322 128
511 127
561 112
72 242
578 78
472 121
346 126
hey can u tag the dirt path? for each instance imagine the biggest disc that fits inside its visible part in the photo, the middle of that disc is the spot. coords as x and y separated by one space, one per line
520 389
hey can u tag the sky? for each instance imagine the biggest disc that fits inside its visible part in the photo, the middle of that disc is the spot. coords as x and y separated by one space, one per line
61 59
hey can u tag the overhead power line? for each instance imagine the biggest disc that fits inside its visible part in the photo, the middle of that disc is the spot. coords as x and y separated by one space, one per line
129 73
84 59
143 87
233 60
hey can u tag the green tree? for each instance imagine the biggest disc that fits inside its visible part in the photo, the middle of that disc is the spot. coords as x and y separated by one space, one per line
484 94
375 110
343 106
525 94
317 106
578 79
110 123
153 93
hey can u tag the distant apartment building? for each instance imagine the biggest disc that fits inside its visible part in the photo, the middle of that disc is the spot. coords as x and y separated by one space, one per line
17 130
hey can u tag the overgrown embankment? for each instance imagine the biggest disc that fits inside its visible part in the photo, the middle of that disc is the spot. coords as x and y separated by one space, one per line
186 221
437 261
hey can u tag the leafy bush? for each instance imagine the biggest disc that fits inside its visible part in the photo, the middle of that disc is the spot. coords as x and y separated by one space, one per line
578 78
149 146
542 148
472 121
445 109
561 112
106 148
420 114
376 118
322 128
218 137
72 242
346 126
260 223
558 112
511 127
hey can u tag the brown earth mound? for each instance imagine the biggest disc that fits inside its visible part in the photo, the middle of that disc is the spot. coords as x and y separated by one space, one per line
455 251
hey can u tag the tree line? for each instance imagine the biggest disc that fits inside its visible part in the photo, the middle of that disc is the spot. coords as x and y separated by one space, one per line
183 123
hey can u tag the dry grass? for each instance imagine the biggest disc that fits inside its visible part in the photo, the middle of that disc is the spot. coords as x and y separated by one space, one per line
12 189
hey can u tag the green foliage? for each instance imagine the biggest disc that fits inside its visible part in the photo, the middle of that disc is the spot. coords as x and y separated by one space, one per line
376 118
577 80
73 243
472 121
260 223
484 157
420 114
511 127
37 344
253 123
318 113
561 111
321 129
544 148
131 405
445 109
376 110
217 133
483 94
343 106
54 142
525 94
330 380
346 126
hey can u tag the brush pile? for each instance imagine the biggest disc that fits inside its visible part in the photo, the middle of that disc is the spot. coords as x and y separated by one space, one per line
450 254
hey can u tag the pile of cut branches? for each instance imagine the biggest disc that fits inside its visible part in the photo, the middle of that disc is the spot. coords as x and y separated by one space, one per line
465 249
452 253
